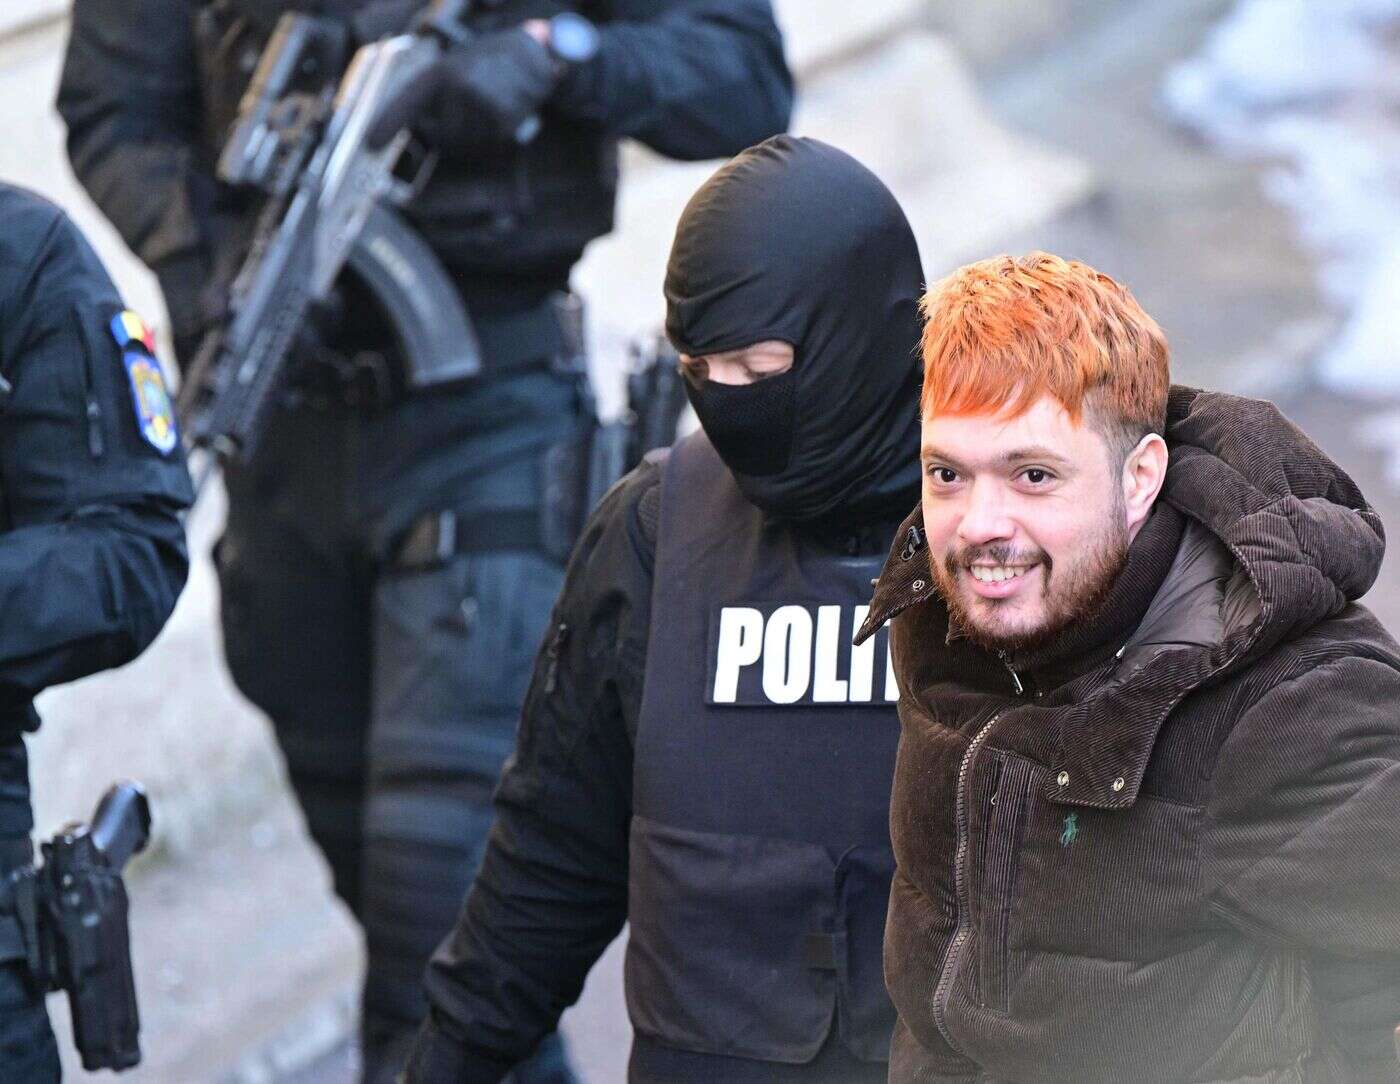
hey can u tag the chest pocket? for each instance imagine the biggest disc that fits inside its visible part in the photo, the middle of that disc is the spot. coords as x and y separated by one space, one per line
1109 883
1071 881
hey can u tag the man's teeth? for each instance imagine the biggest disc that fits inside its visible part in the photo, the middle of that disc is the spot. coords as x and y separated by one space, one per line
987 574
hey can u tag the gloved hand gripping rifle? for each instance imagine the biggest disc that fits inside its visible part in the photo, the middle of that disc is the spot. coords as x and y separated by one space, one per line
302 138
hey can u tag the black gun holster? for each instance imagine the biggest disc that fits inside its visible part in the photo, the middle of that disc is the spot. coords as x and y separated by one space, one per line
67 922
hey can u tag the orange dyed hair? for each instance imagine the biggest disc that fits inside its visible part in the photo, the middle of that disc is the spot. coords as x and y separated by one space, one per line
1002 332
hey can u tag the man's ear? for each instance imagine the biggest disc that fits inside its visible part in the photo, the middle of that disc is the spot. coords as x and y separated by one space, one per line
1144 472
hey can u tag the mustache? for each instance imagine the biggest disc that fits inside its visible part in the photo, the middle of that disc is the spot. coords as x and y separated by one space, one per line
1001 553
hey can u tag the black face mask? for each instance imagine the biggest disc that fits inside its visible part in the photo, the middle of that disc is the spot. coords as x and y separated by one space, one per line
750 425
795 241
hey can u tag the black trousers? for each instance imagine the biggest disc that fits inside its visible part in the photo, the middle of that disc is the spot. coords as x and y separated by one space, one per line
27 1048
394 691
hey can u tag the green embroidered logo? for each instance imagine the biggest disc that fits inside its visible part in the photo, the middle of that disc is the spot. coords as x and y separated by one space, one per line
1071 832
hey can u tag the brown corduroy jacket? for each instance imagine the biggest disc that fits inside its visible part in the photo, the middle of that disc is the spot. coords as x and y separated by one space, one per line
1175 855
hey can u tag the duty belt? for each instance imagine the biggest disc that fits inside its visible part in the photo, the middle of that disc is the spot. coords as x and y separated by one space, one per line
437 537
548 334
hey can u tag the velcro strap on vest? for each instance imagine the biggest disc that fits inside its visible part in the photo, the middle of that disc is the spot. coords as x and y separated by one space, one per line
819 951
439 536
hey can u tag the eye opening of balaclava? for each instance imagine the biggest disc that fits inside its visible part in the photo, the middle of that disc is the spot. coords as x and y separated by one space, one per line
794 240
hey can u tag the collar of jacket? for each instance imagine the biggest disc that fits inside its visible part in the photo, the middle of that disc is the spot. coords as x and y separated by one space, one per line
1277 538
1088 644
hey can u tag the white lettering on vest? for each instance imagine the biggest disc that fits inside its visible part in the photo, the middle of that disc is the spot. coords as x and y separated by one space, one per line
862 662
787 654
827 688
740 645
794 655
891 685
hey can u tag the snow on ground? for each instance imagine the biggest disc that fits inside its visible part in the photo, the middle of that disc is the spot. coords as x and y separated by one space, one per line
1313 86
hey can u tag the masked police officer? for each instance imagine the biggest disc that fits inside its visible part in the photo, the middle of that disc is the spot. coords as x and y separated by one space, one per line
92 551
702 753
385 571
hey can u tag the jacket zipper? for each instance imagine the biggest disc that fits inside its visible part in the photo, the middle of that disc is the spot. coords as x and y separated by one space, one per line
944 988
1015 677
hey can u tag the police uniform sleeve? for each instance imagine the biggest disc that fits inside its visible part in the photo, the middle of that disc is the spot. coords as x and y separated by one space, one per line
552 891
92 477
129 96
692 79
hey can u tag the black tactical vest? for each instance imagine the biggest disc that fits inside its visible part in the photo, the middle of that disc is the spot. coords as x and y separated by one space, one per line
508 224
760 855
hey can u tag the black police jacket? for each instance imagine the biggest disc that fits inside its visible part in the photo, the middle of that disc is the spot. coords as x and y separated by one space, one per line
552 892
92 479
149 87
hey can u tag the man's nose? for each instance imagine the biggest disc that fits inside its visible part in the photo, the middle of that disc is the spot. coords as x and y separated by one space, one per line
985 519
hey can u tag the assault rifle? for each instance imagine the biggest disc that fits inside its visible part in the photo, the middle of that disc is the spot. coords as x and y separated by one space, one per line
302 140
70 919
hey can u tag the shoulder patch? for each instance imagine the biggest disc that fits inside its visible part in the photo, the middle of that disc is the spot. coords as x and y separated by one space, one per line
130 330
155 413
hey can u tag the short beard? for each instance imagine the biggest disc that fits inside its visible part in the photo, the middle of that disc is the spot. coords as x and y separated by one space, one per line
1075 596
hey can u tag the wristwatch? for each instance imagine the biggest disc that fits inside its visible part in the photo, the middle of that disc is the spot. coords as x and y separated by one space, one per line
572 38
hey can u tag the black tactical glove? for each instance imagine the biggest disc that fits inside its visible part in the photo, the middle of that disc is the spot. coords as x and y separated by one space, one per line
485 91
437 1057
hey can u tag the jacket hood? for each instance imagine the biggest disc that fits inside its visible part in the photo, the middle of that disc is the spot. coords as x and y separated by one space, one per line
1295 522
1278 538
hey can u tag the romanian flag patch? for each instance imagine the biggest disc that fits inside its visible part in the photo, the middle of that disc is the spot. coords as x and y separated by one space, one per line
155 412
129 329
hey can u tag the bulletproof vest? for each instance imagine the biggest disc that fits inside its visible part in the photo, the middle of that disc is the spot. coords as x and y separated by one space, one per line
760 856
503 220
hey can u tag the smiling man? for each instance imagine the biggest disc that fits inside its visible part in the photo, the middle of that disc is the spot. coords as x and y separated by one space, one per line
1146 809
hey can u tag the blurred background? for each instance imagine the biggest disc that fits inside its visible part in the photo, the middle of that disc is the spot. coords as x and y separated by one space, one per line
1236 162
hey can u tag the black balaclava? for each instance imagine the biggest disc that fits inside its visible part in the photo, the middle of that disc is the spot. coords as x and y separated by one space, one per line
796 241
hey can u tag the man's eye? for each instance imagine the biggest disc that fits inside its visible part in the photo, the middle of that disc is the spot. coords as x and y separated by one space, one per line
944 475
1037 477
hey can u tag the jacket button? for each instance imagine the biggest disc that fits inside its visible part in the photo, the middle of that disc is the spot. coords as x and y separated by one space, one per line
1062 779
919 585
1119 784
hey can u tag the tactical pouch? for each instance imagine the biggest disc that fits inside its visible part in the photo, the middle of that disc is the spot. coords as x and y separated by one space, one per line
743 946
581 470
577 473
